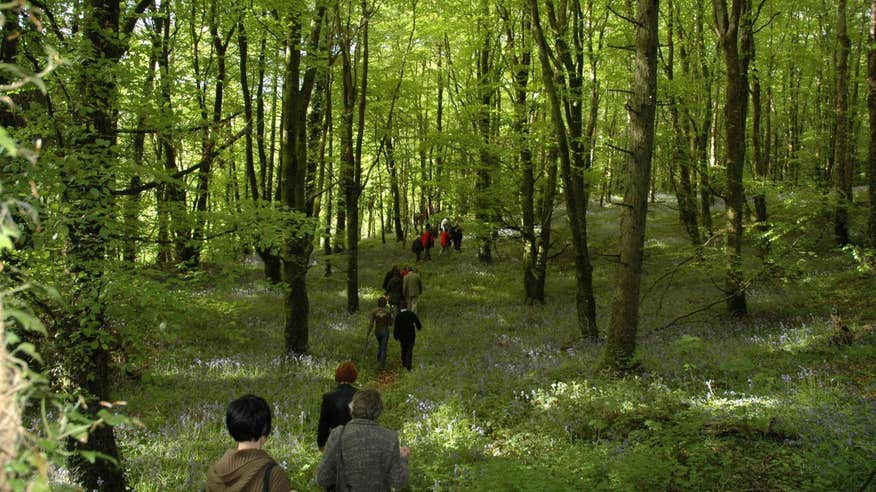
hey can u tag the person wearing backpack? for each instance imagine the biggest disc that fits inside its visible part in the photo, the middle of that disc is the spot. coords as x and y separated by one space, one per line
380 321
247 467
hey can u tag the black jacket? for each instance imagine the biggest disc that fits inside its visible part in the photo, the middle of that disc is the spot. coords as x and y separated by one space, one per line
335 411
405 324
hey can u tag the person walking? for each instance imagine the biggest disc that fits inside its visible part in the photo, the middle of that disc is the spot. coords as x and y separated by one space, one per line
386 278
380 321
394 292
428 240
456 236
335 409
362 455
412 287
405 331
247 467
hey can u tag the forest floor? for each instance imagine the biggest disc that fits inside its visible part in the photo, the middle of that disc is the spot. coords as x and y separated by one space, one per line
505 396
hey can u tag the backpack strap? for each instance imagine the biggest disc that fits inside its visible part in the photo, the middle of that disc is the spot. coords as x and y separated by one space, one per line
267 482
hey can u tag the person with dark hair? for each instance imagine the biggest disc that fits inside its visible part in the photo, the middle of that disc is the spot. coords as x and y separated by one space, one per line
380 321
405 331
335 410
394 292
386 278
247 468
456 237
362 455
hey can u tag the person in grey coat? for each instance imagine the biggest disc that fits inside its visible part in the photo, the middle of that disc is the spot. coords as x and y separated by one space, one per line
362 455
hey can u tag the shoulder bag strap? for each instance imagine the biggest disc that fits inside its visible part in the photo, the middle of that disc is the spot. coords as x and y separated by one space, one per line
267 482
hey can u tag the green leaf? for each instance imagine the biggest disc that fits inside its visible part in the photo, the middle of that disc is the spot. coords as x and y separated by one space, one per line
113 419
26 320
30 350
7 143
90 456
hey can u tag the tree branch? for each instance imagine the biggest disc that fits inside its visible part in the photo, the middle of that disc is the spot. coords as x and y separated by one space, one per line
631 21
208 158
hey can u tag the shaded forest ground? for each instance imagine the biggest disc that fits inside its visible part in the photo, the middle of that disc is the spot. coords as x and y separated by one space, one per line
506 396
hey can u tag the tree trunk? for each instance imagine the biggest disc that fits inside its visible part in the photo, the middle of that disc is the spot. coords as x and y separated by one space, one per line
394 191
574 146
488 160
87 176
761 166
621 341
842 166
171 196
735 39
297 90
352 155
243 47
684 190
871 107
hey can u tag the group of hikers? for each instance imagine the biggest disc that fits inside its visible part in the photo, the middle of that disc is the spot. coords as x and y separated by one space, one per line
397 307
357 453
448 234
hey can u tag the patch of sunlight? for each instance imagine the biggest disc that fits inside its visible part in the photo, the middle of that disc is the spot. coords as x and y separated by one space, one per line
656 243
339 326
549 397
442 424
369 293
253 290
788 339
735 403
218 368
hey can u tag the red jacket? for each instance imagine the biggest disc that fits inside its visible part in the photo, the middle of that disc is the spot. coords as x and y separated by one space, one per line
427 239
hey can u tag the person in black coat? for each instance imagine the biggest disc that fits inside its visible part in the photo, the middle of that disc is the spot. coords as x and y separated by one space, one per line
389 275
335 408
405 331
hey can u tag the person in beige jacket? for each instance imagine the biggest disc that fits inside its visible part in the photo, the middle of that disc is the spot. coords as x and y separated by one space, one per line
247 467
412 288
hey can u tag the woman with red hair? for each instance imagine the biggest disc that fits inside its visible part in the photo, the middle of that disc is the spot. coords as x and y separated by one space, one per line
335 408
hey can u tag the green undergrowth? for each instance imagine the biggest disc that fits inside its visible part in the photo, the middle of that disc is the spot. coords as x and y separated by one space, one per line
505 396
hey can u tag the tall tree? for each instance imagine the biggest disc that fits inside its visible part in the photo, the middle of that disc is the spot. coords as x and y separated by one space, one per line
842 163
488 159
871 106
564 84
86 175
537 218
621 341
682 160
304 59
734 28
355 92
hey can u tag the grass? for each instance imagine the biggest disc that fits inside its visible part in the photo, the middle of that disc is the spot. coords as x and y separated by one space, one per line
506 396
